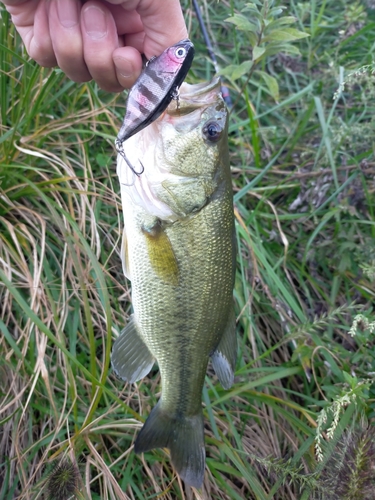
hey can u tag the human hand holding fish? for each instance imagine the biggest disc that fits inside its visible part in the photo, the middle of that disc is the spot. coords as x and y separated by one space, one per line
97 39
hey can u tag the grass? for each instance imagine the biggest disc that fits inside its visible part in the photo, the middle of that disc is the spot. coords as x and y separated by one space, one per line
300 415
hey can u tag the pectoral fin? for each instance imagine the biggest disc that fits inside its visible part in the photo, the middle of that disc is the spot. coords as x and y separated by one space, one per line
224 357
161 254
131 358
125 255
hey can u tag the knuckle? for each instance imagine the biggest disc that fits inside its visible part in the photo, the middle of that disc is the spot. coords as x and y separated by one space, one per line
79 78
110 86
44 60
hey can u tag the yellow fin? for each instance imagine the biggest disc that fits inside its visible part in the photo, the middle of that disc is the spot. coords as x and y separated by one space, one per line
161 254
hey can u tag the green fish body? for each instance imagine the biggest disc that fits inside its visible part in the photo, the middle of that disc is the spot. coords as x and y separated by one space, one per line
179 253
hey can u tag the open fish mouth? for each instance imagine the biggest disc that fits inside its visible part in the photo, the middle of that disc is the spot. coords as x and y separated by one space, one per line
198 89
194 96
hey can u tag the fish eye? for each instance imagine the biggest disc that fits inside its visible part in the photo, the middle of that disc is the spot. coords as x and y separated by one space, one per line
180 52
212 131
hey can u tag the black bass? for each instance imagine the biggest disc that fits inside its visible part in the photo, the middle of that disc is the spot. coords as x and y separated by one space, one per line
155 88
179 253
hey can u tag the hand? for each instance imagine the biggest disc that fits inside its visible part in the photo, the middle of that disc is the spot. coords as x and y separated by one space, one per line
97 39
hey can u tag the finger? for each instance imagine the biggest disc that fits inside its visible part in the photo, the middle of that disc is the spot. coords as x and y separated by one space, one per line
128 65
22 12
126 21
100 39
163 26
65 33
127 60
31 21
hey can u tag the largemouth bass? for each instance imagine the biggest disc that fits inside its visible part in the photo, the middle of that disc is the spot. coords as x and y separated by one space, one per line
179 253
154 89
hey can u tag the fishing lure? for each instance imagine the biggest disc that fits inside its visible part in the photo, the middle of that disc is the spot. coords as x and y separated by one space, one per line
155 88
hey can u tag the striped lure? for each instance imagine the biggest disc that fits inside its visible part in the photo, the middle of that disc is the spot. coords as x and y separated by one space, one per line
155 88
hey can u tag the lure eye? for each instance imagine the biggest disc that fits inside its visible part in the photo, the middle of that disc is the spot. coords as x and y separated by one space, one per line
180 52
212 131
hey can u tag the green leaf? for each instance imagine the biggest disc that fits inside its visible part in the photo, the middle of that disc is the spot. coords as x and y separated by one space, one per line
228 70
242 69
252 5
287 48
258 52
254 11
278 23
235 71
276 11
352 381
8 337
103 160
242 23
253 37
271 83
284 35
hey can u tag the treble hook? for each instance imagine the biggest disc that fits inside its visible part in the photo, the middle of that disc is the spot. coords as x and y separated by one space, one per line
176 96
120 150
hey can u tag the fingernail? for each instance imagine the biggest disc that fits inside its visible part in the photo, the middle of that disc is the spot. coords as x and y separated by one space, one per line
124 67
67 12
95 22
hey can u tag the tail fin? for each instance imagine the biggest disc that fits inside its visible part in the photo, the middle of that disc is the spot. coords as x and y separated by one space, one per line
184 436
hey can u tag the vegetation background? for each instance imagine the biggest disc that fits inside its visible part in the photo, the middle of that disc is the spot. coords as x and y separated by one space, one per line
298 421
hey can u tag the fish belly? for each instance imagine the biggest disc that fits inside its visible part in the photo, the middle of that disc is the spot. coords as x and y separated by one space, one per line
182 325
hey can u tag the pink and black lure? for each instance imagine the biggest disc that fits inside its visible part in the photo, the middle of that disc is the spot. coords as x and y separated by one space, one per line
155 88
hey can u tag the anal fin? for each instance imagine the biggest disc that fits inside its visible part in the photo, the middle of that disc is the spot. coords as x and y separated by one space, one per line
224 357
131 358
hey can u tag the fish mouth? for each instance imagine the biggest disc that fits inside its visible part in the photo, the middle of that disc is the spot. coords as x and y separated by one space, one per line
198 89
195 96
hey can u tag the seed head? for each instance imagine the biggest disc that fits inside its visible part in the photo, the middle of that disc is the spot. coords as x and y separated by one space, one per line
63 481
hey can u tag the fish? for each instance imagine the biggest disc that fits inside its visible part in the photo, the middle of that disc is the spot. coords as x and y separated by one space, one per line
154 89
179 252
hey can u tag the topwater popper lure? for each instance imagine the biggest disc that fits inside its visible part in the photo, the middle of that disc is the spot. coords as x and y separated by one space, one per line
155 88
